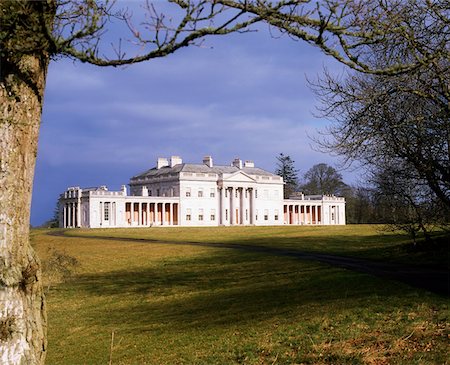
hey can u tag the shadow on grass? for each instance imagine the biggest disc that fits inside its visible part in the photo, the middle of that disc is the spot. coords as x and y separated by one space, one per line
388 247
226 288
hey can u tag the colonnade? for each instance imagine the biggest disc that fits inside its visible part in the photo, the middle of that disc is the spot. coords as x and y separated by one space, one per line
148 214
237 205
303 214
71 215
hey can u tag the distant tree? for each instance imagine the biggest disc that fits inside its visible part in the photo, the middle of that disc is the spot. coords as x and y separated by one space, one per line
323 179
54 221
286 169
407 202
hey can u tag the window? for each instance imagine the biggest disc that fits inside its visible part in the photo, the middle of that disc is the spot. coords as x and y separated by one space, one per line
276 214
188 192
246 214
256 193
200 214
212 193
226 214
157 192
213 215
200 193
226 193
150 193
256 214
188 214
106 211
266 215
235 193
265 194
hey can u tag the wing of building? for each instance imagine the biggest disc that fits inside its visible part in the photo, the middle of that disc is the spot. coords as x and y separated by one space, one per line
182 194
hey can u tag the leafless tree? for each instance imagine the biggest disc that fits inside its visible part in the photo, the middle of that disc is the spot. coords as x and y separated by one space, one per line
402 118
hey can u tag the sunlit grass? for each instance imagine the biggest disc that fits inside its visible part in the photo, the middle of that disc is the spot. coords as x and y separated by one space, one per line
369 241
176 304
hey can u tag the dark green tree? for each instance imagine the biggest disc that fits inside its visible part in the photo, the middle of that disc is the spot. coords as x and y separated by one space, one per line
323 179
286 169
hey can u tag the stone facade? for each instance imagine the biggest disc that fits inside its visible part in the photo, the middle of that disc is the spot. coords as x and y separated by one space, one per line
179 194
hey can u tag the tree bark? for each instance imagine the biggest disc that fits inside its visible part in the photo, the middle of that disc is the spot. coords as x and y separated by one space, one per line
22 81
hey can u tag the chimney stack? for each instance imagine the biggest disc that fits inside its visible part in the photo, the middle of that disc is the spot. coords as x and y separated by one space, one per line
162 162
237 163
175 160
207 160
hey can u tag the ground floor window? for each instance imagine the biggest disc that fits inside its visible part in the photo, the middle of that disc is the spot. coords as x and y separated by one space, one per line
106 211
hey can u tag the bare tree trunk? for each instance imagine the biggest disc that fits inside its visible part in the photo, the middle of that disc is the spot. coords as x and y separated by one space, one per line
22 303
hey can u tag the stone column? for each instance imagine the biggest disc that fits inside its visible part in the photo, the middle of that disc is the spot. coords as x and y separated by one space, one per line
222 206
79 211
241 195
139 214
65 216
73 215
163 213
231 192
252 206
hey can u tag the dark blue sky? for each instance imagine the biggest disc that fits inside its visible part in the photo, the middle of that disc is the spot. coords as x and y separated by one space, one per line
242 95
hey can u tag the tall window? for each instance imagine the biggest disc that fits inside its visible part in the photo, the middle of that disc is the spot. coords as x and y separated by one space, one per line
188 192
200 193
212 193
188 214
276 214
200 214
266 215
213 215
106 211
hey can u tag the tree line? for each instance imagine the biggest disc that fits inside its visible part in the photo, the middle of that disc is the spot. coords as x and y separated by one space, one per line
388 197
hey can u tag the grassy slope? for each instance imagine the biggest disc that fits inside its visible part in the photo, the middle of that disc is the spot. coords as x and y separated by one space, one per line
369 241
172 304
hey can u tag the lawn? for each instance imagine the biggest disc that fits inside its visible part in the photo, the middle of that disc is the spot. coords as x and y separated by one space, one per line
367 241
175 304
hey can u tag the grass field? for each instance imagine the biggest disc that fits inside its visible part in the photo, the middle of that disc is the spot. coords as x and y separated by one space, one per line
173 304
368 241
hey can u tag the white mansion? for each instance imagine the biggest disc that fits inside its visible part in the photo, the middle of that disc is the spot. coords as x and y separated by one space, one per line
181 194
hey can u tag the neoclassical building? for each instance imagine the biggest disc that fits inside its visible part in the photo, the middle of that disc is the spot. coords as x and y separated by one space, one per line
183 194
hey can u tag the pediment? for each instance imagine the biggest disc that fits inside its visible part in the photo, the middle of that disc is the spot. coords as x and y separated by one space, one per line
239 176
